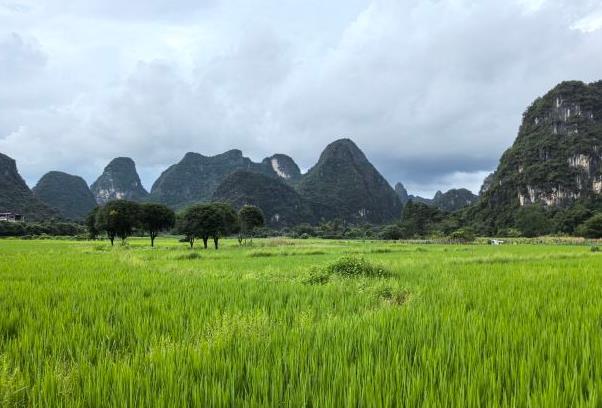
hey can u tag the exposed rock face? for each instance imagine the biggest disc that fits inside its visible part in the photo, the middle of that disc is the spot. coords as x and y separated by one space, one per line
119 181
281 204
487 184
557 156
402 193
348 186
68 194
16 197
284 167
454 199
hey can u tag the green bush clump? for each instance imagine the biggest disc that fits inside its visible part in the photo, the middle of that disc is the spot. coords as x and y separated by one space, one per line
351 266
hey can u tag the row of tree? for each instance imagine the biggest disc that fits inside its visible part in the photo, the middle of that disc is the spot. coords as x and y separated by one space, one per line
121 219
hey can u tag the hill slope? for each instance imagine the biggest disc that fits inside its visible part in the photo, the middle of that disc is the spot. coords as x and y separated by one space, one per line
348 186
68 194
281 204
16 197
196 177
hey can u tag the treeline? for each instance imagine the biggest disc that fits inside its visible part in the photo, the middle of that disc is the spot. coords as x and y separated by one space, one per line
51 228
121 219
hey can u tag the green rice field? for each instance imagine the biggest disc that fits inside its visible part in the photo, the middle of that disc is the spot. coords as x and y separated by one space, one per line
277 324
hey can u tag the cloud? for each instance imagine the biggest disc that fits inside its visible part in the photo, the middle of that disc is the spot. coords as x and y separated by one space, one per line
432 91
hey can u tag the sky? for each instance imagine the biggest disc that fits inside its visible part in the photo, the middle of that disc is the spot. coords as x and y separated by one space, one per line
431 90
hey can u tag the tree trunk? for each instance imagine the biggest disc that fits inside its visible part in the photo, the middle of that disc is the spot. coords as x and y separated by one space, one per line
152 237
205 239
191 242
215 241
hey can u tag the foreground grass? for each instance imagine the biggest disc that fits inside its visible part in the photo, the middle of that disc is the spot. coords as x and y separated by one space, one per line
82 324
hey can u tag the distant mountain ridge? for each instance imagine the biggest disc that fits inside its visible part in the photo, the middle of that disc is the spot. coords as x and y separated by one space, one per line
450 201
196 177
343 184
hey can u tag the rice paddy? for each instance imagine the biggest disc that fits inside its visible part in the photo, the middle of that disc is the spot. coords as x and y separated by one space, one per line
299 323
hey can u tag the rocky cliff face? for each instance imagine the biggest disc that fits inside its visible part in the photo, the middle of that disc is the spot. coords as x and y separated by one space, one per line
281 205
402 193
454 199
16 197
284 167
68 194
557 156
348 186
119 181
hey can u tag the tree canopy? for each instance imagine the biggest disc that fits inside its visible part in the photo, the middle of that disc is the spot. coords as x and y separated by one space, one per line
118 219
250 217
155 218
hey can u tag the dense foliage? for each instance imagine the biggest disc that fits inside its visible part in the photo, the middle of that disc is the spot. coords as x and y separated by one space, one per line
50 228
118 218
155 218
250 218
206 221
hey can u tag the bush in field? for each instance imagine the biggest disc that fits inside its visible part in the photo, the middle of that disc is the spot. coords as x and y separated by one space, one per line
250 218
118 219
592 228
155 218
351 266
463 235
392 232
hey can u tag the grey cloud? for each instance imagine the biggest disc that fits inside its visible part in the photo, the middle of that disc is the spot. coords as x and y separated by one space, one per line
433 91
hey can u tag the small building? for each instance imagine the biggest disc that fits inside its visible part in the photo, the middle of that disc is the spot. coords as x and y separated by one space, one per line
496 242
11 217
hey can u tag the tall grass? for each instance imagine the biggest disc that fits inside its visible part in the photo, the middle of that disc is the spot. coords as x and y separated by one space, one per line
449 326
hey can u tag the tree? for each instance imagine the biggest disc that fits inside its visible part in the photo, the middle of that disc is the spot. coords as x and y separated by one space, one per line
418 219
155 218
90 223
250 217
228 222
118 219
568 220
533 221
392 233
592 228
463 235
207 221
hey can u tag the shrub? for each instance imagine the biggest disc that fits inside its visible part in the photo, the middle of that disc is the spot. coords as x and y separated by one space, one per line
351 266
592 228
392 232
463 235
